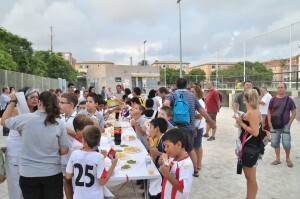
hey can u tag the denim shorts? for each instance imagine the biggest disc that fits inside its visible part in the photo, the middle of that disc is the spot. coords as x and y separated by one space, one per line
198 139
276 135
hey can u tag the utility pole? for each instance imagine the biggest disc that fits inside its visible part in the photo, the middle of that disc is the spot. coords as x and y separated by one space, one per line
51 39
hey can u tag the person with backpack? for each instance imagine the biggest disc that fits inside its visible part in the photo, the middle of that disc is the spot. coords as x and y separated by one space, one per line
212 107
184 104
281 114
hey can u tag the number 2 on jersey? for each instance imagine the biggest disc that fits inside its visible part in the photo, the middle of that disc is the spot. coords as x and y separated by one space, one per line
87 174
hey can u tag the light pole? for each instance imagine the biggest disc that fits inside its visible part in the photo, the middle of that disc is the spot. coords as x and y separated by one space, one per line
165 76
144 52
180 45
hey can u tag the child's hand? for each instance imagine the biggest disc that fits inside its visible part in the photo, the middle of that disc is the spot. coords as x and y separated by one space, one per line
160 161
114 161
164 170
132 122
3 149
2 178
103 152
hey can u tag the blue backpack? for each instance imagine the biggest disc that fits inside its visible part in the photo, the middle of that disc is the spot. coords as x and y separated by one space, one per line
181 110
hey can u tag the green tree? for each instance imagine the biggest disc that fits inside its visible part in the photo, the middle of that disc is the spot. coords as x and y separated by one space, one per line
255 72
19 48
171 74
6 61
195 76
141 63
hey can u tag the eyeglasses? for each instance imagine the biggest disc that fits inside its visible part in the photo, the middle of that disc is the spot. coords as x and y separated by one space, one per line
33 97
61 102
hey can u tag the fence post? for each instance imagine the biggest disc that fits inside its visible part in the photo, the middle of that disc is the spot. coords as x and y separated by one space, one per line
297 76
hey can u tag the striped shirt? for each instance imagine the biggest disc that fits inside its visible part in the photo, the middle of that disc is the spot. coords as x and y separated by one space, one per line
190 98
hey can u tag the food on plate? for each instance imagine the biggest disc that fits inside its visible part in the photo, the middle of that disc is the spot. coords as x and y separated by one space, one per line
126 166
130 137
119 150
151 142
109 124
121 155
131 162
165 159
123 145
132 149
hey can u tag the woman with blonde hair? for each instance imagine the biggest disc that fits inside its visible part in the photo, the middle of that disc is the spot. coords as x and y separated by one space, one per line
250 139
199 124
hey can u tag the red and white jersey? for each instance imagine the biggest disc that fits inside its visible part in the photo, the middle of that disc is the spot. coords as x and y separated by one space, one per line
87 167
77 145
182 170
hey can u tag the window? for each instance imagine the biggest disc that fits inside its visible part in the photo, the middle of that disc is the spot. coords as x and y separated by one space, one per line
87 66
80 66
213 66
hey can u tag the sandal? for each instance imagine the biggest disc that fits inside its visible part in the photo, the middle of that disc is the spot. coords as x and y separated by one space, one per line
199 168
196 174
206 135
289 163
276 162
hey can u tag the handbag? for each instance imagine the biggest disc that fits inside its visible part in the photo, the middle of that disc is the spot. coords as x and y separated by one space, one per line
277 120
250 152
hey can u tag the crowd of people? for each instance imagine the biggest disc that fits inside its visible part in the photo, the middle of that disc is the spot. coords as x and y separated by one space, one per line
42 153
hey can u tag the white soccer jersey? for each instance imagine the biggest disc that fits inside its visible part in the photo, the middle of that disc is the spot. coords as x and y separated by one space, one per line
182 170
87 167
69 123
77 145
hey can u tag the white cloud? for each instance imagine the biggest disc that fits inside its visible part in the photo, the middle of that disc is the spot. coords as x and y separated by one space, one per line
114 30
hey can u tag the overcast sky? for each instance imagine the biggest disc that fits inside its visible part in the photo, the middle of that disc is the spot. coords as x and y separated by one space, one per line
114 30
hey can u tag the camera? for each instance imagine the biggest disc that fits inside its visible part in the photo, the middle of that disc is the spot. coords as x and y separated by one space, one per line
239 167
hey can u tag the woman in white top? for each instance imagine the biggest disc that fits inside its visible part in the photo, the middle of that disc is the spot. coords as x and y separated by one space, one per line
152 95
13 147
199 124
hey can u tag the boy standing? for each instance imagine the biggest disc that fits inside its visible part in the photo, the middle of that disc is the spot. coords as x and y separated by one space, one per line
67 104
79 122
87 167
178 173
167 113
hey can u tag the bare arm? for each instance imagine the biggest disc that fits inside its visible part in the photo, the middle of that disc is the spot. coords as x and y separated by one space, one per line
294 113
7 113
269 117
254 121
63 150
103 181
207 117
235 107
71 132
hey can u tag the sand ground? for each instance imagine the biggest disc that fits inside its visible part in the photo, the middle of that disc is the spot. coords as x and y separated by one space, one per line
218 178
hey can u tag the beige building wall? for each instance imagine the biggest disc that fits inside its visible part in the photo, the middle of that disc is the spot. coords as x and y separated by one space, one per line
111 75
212 66
171 64
84 66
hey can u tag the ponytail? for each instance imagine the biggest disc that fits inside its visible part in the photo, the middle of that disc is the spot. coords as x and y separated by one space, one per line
51 106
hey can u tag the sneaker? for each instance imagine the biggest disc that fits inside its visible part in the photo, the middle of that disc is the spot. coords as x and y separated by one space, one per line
211 138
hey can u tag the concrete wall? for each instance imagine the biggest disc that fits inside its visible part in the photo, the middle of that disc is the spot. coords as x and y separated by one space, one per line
105 75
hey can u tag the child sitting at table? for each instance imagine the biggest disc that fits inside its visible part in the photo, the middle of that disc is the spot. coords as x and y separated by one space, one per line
91 104
158 127
178 169
166 113
87 167
137 123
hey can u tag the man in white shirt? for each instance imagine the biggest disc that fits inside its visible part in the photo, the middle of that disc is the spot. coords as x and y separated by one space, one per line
264 101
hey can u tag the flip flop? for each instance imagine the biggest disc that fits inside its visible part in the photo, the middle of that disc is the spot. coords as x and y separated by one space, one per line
196 174
276 162
289 164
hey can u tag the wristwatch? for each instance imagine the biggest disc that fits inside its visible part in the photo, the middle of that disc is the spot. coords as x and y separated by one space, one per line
15 101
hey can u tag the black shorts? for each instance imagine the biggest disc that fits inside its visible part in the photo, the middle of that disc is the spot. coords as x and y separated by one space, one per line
188 132
47 187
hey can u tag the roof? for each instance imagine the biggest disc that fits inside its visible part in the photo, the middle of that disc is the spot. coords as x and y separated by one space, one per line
95 62
169 62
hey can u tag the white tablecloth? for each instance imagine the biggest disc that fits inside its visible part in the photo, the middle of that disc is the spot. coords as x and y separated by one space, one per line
137 171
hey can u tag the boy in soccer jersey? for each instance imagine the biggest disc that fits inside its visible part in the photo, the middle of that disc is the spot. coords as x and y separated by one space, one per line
86 166
178 168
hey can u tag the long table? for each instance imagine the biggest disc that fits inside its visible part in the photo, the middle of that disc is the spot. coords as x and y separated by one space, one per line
138 171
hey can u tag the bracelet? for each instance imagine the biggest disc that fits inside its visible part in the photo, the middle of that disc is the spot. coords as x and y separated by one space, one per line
15 101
